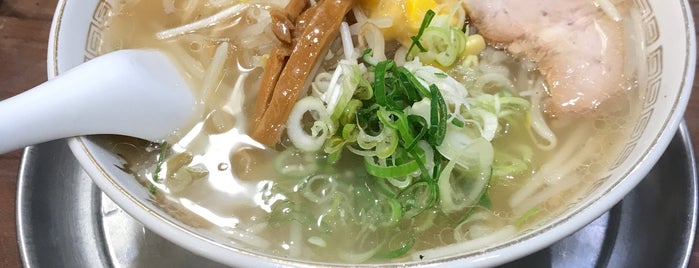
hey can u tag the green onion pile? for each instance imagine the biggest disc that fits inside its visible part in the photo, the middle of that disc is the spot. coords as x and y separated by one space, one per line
426 145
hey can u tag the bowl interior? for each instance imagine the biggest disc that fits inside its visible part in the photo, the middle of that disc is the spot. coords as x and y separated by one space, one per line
665 80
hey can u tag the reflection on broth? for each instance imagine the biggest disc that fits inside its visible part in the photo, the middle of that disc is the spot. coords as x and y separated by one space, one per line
443 144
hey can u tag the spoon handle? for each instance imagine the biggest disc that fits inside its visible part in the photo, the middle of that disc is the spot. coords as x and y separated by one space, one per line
132 93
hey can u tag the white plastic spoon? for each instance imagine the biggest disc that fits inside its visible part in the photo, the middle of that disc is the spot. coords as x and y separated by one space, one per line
138 93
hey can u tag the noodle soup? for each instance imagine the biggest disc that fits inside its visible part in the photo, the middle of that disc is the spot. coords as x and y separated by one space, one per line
373 184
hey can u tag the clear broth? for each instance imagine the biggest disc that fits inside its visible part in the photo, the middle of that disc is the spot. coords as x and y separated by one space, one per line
235 199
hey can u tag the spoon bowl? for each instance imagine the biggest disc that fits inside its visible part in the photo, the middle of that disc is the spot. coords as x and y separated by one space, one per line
138 93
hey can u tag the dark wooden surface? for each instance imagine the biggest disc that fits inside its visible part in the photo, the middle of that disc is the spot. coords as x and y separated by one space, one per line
24 30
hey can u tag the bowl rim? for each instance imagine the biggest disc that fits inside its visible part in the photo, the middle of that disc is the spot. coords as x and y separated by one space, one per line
539 239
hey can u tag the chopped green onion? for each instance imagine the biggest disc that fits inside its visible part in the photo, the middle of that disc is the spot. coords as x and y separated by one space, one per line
366 54
438 117
418 197
396 212
386 188
319 188
416 39
388 145
458 123
160 161
401 124
380 81
401 183
420 124
397 245
385 171
350 133
412 81
334 144
523 219
292 162
424 220
483 202
459 189
349 116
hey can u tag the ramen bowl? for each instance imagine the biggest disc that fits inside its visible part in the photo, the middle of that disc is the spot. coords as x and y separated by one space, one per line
665 81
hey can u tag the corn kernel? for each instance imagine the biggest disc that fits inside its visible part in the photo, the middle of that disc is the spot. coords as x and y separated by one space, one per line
474 45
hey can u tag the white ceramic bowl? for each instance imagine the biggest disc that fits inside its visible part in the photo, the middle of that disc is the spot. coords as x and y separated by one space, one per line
668 33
